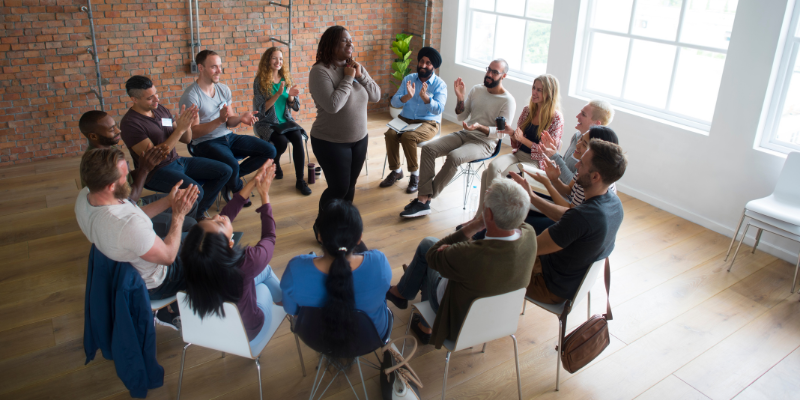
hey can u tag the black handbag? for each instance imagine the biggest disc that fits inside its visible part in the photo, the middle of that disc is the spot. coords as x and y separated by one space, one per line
288 126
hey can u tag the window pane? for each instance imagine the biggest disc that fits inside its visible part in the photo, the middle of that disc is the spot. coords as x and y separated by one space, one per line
540 9
696 85
487 5
657 18
789 127
510 35
513 7
538 36
612 15
709 22
606 64
649 73
481 41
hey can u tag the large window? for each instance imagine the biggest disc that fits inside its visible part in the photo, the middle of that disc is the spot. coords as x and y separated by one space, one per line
515 30
782 130
660 57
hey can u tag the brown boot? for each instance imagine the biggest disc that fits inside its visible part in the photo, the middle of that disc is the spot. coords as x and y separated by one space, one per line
413 184
391 179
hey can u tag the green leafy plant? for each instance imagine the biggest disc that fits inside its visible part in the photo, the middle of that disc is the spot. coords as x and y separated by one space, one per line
401 47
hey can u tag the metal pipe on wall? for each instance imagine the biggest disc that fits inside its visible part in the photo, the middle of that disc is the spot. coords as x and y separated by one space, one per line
289 43
424 21
93 52
191 38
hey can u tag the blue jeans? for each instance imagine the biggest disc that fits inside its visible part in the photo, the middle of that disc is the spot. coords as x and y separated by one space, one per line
230 148
418 277
208 175
268 291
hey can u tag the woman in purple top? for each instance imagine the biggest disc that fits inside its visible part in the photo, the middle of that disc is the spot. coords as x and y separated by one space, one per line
217 271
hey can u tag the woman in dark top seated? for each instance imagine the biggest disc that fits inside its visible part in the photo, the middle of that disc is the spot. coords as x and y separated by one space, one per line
341 280
274 98
218 271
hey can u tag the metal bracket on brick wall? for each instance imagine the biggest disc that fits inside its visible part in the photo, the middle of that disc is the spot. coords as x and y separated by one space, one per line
424 21
289 43
192 43
93 51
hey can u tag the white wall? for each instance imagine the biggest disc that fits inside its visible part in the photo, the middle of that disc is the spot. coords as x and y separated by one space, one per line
704 179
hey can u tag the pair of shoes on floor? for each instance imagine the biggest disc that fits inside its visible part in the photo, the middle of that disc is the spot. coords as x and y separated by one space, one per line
302 186
416 209
413 184
169 319
399 302
391 179
424 338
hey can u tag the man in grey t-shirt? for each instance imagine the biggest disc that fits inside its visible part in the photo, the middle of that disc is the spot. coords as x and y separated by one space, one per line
211 136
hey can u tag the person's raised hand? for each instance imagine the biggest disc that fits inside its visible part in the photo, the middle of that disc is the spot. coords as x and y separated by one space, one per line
294 91
411 88
163 151
473 127
224 112
459 88
518 135
186 117
357 68
349 70
541 178
521 181
248 118
548 145
263 179
280 90
552 170
150 157
423 92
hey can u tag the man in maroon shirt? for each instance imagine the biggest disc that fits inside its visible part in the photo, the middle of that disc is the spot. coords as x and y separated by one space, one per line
148 123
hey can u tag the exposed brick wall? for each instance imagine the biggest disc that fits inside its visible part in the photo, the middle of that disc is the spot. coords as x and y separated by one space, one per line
46 73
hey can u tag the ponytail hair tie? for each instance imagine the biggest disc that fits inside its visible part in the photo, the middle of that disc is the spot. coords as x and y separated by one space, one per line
343 249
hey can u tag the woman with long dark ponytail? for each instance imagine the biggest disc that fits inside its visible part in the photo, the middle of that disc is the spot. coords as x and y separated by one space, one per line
217 270
342 280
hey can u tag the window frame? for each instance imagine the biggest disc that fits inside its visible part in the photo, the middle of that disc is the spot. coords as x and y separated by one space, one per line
788 59
465 42
621 102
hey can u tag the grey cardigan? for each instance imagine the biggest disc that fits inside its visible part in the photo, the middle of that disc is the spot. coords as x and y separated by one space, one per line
267 118
567 163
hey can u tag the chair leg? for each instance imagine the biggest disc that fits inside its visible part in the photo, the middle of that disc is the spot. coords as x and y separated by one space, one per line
446 366
408 327
385 159
758 239
744 234
258 369
588 305
300 354
180 377
558 355
735 233
524 304
516 360
484 348
363 384
794 280
316 385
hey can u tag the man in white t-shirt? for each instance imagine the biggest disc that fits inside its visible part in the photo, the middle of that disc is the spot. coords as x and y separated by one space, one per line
123 231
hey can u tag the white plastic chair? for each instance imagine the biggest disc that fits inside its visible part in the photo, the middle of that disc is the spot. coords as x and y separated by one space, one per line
223 334
488 319
563 309
419 146
778 213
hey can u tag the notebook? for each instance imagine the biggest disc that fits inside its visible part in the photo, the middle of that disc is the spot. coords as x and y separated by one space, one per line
400 126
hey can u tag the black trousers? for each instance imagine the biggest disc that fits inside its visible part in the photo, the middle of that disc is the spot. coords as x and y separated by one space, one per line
341 163
281 142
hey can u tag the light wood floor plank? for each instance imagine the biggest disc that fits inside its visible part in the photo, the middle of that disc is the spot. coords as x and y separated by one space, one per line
672 388
780 382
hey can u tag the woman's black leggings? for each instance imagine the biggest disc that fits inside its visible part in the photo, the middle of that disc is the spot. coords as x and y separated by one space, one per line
341 163
281 142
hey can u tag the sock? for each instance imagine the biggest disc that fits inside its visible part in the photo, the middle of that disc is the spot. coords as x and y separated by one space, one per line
399 170
414 173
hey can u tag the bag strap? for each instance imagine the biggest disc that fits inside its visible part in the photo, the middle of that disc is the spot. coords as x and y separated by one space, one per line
608 316
405 360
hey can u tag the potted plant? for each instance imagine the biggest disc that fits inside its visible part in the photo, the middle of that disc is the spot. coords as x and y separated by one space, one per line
401 47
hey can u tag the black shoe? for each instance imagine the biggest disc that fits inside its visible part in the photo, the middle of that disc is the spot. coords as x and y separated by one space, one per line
459 226
247 203
413 184
424 338
302 186
397 301
226 194
168 319
391 179
408 206
278 172
417 209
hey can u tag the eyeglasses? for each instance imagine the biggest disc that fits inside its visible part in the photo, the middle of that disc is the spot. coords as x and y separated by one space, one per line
493 71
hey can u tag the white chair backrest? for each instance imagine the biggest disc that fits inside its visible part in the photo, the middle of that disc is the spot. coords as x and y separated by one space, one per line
214 332
787 189
491 318
595 271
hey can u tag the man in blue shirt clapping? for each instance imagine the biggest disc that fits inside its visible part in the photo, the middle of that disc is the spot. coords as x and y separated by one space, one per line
422 97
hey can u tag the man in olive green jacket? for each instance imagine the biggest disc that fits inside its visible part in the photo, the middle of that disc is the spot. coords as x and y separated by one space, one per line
454 271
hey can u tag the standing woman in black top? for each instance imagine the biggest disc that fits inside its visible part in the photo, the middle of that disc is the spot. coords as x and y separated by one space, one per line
341 89
274 98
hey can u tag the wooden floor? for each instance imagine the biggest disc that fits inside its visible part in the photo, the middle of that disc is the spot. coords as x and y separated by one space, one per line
684 328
